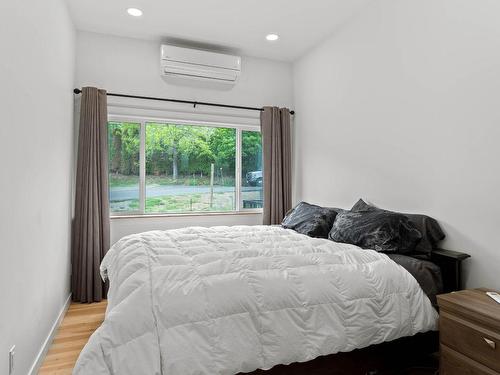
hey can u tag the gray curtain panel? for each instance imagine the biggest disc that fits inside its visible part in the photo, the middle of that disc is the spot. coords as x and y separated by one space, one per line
90 237
276 147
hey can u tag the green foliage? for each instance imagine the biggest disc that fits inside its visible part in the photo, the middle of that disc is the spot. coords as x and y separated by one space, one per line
251 152
223 145
124 144
181 151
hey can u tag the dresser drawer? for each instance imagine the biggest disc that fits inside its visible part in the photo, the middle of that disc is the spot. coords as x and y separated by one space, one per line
477 342
453 363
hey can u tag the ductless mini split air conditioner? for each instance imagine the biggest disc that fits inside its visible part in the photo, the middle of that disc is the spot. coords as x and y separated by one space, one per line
201 65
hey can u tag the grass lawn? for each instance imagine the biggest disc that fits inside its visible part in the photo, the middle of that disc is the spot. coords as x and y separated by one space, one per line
222 202
190 203
118 180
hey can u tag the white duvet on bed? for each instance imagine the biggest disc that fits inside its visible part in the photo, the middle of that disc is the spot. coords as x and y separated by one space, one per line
225 300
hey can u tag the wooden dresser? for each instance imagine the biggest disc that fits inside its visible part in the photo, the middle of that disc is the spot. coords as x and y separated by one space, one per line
469 333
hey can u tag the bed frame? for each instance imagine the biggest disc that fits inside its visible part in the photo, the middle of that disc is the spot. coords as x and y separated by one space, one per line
388 358
450 263
382 359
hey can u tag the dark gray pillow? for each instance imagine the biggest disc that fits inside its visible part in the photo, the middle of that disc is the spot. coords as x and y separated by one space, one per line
428 227
309 219
375 229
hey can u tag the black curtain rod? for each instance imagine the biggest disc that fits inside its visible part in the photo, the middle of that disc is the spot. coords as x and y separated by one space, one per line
78 91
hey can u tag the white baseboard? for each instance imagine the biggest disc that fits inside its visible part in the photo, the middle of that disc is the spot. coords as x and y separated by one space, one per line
48 341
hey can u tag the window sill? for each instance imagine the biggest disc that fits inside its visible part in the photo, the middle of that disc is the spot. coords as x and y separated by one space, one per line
188 214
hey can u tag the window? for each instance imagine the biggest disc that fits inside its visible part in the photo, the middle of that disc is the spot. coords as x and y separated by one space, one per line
251 169
160 167
190 168
124 144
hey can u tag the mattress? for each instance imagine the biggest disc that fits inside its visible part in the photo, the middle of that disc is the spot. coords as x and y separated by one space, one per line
225 300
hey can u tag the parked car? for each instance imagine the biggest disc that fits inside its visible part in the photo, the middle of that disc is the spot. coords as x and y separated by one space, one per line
254 178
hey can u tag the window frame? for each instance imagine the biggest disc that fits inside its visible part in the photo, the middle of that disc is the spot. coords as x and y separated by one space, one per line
142 121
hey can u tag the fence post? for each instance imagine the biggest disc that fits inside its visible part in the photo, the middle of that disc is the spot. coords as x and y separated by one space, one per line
212 169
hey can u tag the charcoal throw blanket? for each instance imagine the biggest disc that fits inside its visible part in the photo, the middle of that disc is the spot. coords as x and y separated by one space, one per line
225 300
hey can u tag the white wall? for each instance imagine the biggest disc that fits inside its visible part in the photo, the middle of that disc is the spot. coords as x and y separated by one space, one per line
36 140
131 66
401 107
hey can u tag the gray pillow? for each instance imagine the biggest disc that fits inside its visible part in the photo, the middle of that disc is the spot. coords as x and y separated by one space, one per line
375 229
428 227
309 219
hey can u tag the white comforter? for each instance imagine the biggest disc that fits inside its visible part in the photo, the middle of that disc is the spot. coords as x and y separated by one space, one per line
225 300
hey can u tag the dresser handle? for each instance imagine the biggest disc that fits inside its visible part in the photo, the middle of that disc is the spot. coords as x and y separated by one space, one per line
491 343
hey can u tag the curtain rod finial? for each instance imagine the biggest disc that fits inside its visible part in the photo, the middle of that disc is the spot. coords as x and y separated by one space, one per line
77 91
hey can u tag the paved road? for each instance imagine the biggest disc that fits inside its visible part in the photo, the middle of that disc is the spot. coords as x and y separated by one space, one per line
125 193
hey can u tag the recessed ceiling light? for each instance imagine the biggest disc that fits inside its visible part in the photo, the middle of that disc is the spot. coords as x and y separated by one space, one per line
134 12
272 37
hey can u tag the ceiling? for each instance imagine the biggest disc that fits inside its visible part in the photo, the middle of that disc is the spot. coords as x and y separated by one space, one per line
234 25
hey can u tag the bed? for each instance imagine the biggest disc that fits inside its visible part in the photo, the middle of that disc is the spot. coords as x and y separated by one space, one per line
227 300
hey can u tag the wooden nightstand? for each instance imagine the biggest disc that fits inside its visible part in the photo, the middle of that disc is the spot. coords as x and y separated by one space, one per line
469 333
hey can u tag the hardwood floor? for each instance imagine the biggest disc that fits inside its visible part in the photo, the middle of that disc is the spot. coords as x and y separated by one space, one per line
80 322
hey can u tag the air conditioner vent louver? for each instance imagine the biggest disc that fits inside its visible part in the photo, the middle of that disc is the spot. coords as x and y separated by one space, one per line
197 64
